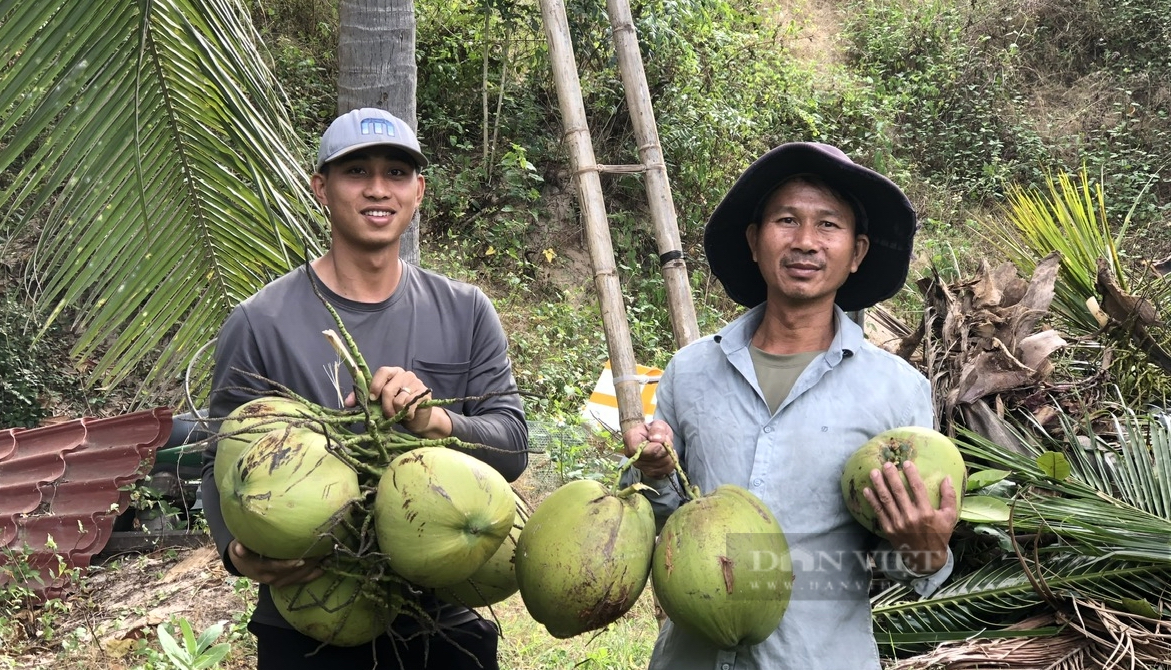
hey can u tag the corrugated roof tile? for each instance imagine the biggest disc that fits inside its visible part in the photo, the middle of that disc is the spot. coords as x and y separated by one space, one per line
62 486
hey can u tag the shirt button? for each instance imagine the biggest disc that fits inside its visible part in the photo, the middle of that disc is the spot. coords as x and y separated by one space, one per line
726 666
767 429
757 482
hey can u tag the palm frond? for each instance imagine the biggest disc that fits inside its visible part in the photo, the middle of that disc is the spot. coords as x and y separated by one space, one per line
1069 218
1097 295
985 602
1097 530
150 143
1114 501
1136 468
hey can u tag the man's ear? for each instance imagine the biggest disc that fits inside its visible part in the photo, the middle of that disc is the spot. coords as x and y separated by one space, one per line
752 233
861 246
317 183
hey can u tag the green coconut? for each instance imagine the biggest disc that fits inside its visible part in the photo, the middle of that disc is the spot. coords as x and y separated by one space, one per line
333 609
440 514
495 581
246 424
935 457
584 556
722 570
287 494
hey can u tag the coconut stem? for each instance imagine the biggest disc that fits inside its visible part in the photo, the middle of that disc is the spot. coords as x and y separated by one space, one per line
349 353
692 491
347 350
624 467
630 490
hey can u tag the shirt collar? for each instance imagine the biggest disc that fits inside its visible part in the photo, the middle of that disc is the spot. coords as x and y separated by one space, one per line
848 336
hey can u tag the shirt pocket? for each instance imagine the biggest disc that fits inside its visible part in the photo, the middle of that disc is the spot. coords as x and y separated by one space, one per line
447 380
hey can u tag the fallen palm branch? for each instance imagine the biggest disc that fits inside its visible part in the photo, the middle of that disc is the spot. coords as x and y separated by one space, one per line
1093 635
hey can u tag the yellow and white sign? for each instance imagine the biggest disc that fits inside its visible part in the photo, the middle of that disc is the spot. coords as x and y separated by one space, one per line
602 407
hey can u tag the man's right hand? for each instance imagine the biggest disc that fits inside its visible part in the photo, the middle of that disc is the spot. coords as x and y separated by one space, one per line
272 571
655 461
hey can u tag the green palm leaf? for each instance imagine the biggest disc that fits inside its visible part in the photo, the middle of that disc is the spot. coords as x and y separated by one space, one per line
149 141
1104 526
984 602
1115 500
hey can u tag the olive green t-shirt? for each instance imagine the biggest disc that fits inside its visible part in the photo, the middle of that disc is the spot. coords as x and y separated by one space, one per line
776 373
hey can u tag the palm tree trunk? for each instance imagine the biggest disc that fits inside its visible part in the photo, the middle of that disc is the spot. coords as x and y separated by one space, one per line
376 68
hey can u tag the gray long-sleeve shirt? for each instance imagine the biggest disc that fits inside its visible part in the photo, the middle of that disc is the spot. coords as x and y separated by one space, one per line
792 460
444 331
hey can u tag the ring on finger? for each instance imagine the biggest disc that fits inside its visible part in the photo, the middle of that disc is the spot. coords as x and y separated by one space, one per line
403 390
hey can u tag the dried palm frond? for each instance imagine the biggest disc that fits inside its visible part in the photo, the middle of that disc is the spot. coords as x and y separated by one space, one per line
1093 636
1096 294
986 336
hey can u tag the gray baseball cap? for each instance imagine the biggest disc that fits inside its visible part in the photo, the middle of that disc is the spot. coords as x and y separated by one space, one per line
367 127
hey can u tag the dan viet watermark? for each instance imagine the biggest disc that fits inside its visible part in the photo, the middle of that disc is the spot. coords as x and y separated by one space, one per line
768 566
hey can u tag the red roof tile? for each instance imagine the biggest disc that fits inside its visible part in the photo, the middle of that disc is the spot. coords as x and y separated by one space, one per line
68 482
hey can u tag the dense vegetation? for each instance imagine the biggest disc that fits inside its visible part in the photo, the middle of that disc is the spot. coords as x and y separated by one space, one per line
956 101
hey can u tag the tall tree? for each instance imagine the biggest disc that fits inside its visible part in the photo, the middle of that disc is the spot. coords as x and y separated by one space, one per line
376 68
151 145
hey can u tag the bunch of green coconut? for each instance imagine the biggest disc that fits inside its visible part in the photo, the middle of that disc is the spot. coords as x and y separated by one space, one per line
389 515
721 567
586 553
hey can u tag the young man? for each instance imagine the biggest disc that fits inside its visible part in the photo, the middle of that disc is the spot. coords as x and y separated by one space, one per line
418 329
780 398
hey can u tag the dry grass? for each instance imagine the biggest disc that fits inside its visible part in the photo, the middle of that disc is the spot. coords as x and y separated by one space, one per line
111 624
624 645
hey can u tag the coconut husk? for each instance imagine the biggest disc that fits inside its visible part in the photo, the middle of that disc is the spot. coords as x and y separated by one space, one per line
1093 636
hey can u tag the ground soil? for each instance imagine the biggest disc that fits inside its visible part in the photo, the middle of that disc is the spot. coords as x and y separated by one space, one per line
123 600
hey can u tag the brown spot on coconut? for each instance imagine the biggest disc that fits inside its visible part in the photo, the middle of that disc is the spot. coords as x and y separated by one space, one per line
288 496
249 422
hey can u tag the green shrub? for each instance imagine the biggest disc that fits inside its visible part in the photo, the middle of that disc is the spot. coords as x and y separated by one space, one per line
951 78
31 369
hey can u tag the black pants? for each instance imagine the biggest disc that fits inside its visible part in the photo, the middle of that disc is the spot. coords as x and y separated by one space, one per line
469 646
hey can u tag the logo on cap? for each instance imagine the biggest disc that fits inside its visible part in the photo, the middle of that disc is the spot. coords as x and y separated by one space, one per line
376 126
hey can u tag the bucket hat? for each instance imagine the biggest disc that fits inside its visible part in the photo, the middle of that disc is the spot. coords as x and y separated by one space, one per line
367 127
886 217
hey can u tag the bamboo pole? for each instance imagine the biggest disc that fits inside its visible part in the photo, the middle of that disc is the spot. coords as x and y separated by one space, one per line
658 187
593 209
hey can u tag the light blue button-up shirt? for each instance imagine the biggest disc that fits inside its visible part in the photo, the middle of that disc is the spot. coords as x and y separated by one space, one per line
793 461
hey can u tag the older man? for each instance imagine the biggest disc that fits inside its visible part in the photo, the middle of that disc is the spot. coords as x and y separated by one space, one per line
779 399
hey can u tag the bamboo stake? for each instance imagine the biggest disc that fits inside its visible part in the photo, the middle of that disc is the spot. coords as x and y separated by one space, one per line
658 187
593 209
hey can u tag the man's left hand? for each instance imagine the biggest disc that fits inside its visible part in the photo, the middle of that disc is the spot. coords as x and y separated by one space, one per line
916 529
